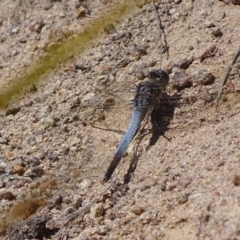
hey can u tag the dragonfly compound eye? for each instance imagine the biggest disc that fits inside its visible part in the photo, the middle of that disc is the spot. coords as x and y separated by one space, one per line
159 75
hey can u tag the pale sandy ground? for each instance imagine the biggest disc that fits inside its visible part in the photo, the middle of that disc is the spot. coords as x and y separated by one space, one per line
187 187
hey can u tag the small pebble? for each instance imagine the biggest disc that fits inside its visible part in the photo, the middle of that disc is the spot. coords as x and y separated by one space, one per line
56 201
170 186
203 77
13 109
146 217
96 211
6 195
68 210
180 79
210 52
4 140
217 32
184 182
190 47
177 1
82 11
85 184
77 201
209 24
236 179
18 169
140 75
34 161
49 121
182 199
182 63
228 231
137 210
67 200
48 5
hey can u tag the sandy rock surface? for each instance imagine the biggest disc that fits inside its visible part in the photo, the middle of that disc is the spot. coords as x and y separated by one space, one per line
56 141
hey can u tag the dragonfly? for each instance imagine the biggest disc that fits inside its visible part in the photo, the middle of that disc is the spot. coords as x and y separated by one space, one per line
148 95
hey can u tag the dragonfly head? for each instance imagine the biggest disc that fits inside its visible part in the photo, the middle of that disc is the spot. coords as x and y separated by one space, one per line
160 76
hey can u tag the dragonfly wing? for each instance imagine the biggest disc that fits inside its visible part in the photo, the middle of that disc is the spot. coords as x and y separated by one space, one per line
109 106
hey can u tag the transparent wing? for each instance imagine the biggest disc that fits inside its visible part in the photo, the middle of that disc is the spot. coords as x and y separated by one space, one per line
109 106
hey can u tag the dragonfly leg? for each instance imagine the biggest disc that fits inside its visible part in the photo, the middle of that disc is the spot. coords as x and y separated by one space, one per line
131 169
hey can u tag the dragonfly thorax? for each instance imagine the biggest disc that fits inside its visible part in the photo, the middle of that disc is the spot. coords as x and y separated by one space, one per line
149 92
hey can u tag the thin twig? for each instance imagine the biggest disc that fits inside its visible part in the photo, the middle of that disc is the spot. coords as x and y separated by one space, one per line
162 32
224 80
